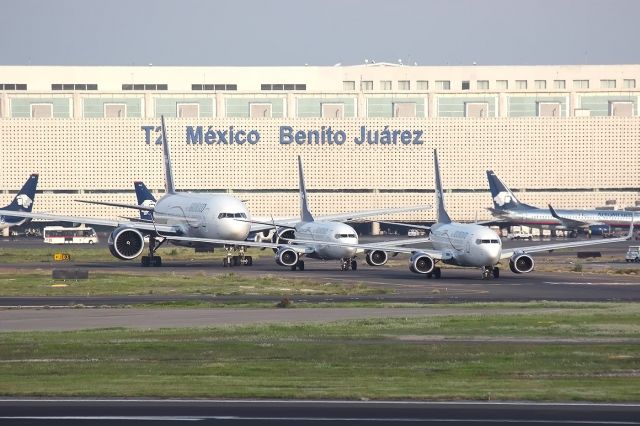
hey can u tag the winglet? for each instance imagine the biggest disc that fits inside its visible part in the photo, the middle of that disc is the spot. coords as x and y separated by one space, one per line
168 173
305 214
443 216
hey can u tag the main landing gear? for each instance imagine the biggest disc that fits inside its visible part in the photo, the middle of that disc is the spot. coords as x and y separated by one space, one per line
152 259
348 263
236 260
436 273
299 265
489 271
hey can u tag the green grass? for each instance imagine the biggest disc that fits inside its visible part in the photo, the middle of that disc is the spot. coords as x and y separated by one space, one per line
41 284
421 358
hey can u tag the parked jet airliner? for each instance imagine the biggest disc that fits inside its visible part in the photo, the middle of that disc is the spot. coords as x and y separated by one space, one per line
472 245
22 202
508 208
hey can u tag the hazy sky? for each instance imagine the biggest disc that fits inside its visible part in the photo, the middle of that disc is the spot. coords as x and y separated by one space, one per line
318 32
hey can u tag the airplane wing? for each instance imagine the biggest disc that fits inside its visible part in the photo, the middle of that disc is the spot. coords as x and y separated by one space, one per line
571 223
389 246
144 226
557 246
125 205
301 248
345 217
407 225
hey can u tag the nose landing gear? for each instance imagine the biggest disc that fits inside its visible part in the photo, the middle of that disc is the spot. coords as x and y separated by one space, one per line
489 271
235 260
347 263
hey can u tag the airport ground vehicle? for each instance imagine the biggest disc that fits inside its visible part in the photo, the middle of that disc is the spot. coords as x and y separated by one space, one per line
519 235
633 254
69 235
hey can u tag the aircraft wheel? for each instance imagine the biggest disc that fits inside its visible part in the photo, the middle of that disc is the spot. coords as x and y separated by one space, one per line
301 265
249 260
235 260
354 265
437 272
145 261
429 275
156 261
225 262
496 272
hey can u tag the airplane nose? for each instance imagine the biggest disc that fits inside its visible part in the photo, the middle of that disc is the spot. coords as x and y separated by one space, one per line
235 230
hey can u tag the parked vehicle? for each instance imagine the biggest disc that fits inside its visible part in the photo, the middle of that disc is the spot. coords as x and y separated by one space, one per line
519 235
633 254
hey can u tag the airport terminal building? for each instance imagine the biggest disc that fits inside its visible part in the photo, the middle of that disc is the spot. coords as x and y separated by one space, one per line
565 135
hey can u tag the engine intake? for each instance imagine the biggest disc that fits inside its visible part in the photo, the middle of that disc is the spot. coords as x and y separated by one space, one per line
286 257
376 257
521 264
283 236
421 263
126 243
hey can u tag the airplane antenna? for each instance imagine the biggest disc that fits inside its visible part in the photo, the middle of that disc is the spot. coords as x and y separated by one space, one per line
443 216
305 214
168 173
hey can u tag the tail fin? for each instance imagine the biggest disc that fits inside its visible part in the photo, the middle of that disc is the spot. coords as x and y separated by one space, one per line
22 202
305 214
443 216
145 198
168 173
503 198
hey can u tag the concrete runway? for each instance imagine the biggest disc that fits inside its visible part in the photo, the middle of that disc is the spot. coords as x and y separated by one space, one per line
16 412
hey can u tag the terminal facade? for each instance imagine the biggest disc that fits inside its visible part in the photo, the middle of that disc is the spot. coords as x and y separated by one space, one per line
565 135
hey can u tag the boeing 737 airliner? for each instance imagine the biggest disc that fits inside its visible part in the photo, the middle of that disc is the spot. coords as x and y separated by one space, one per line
472 245
509 209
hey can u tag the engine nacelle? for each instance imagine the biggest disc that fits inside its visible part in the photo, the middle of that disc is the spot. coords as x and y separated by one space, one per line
421 263
286 257
376 257
521 263
126 243
283 236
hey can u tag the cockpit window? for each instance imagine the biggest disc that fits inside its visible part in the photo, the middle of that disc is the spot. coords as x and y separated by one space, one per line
338 236
232 215
479 241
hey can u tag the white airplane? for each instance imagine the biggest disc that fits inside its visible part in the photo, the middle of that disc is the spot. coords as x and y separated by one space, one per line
319 236
198 220
22 202
472 245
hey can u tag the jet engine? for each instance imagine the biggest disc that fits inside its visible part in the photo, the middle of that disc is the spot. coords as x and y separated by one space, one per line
286 257
376 257
521 263
126 243
283 236
421 263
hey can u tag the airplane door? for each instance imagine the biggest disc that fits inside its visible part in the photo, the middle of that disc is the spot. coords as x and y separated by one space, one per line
205 214
468 248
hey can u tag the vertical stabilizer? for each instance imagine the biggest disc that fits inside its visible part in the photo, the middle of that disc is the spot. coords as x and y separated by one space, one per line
22 202
145 198
443 216
168 173
503 198
305 214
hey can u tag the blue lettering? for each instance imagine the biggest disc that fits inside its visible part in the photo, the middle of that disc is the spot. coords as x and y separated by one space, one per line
286 136
194 136
147 134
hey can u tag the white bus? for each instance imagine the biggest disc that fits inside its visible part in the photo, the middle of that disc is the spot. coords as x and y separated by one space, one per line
73 235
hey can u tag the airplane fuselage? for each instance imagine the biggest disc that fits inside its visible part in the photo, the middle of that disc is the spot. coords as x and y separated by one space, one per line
203 216
466 244
543 217
327 232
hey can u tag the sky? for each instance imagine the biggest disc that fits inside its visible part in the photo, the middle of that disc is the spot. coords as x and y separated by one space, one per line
318 32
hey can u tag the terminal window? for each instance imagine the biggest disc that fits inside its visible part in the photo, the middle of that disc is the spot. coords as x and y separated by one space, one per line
549 109
366 85
332 110
502 84
521 84
559 84
422 85
404 109
466 85
443 85
348 85
476 109
404 85
115 110
607 84
260 110
13 86
580 84
41 110
483 84
541 84
385 85
629 83
621 109
188 110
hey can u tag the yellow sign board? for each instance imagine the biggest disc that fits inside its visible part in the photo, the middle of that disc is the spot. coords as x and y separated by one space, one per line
62 257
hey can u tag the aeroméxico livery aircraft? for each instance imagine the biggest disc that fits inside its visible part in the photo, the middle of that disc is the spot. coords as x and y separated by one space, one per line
22 202
184 218
319 236
472 245
509 209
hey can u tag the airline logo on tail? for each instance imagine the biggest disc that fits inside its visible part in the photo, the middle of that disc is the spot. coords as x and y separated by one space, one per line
504 198
24 201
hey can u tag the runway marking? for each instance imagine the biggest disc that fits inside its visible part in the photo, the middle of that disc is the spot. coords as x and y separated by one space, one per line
322 419
588 283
